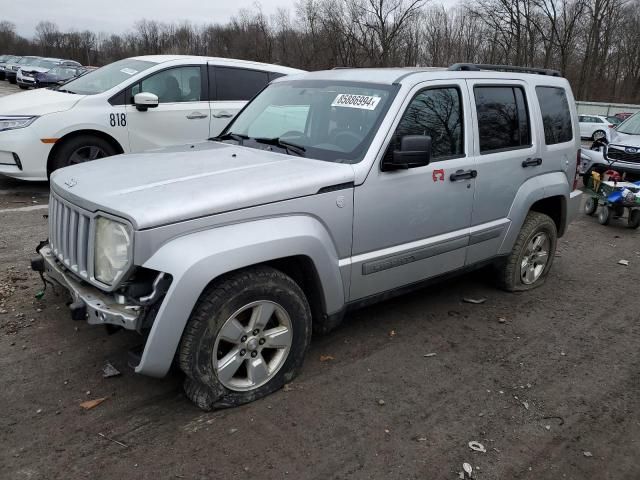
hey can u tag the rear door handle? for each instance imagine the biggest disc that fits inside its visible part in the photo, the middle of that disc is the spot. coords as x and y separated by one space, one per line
463 175
196 115
531 162
223 115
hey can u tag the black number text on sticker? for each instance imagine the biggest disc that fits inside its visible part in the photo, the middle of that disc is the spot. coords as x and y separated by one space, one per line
118 119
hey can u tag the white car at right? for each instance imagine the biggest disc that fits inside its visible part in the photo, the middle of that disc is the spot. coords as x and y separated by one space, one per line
595 127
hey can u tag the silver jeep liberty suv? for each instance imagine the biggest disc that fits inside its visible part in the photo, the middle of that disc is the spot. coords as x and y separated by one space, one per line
328 191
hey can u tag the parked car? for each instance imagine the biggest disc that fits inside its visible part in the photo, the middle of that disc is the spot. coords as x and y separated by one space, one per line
58 76
595 127
328 191
11 70
4 65
622 153
131 105
613 120
26 76
623 115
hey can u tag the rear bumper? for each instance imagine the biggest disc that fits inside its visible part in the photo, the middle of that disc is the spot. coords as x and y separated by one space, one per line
101 308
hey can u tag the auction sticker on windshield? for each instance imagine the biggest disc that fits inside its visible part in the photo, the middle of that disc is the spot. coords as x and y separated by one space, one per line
365 102
129 71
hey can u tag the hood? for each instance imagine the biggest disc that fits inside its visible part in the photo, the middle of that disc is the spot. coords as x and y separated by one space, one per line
181 183
619 138
35 69
37 102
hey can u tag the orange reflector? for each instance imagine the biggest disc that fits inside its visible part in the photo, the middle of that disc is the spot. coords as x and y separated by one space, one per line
49 140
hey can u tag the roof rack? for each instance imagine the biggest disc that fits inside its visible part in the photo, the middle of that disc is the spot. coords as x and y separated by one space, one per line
476 67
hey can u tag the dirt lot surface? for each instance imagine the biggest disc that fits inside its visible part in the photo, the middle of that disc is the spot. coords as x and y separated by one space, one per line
552 391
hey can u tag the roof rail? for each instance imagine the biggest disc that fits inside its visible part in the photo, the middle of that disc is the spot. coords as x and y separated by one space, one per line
341 68
476 67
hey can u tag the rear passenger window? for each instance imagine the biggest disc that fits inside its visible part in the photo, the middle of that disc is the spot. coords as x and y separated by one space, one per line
503 119
436 112
239 83
556 116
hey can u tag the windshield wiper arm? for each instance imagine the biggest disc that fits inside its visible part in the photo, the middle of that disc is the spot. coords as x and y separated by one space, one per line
288 146
64 90
238 137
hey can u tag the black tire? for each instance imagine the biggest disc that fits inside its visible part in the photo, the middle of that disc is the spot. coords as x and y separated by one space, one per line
590 206
12 81
216 305
604 215
63 156
22 87
634 219
599 135
509 272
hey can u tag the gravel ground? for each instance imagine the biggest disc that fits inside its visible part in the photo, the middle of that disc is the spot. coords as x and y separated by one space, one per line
547 381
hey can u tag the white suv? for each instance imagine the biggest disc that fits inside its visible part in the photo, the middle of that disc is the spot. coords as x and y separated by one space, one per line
595 127
129 106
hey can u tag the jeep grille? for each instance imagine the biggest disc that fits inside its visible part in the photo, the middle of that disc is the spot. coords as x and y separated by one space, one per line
69 229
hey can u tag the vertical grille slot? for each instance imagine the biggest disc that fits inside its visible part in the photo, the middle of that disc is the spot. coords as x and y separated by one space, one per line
69 235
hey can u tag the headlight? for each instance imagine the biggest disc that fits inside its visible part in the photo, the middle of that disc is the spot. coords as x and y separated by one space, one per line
112 250
11 122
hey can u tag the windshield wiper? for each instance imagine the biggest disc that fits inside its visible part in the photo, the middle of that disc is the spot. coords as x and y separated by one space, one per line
238 137
288 146
64 90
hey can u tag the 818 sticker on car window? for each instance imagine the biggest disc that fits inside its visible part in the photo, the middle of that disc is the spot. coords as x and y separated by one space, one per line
364 102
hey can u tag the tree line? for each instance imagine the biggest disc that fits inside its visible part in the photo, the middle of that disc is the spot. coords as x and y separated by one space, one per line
594 43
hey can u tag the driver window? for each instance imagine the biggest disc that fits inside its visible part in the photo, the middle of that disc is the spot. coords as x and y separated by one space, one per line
436 112
175 85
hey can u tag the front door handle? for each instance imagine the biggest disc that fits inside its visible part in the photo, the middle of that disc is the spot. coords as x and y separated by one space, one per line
463 175
196 115
223 114
531 162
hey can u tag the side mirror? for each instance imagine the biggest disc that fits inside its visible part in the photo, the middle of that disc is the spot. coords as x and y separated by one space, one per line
415 151
145 100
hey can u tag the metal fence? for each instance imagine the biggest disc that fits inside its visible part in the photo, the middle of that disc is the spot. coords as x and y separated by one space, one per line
597 108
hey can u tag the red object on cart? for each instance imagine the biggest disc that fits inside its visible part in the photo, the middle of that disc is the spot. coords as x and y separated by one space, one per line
613 176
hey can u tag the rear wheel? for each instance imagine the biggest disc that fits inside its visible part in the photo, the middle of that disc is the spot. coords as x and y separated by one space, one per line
532 255
80 149
599 135
634 218
591 205
247 337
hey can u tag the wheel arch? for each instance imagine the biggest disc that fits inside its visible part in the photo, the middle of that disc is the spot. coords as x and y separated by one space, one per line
298 245
77 133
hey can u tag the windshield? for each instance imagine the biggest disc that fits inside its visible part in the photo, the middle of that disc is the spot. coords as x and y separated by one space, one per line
12 60
107 77
27 60
44 63
64 72
326 120
631 126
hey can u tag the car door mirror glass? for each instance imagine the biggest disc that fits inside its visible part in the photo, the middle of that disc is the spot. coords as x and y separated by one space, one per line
414 151
145 100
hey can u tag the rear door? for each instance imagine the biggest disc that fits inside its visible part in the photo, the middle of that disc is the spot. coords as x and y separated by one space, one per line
507 155
182 115
230 89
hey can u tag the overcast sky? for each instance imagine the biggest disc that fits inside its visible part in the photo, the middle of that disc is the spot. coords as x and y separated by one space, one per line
119 15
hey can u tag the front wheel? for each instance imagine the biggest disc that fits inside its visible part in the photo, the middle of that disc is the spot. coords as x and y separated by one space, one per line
634 218
531 258
22 87
80 149
604 215
245 339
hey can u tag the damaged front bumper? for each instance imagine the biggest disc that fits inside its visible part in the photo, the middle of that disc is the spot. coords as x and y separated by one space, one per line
90 303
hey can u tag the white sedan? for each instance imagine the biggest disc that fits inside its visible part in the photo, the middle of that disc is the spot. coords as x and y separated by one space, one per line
595 127
132 105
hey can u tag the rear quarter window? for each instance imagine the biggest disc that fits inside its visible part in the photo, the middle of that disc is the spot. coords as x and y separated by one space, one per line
238 83
556 116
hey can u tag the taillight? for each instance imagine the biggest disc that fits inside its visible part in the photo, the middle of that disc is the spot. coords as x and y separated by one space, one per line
577 175
611 126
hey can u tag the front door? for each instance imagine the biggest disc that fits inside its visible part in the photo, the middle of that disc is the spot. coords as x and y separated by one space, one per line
413 224
182 115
